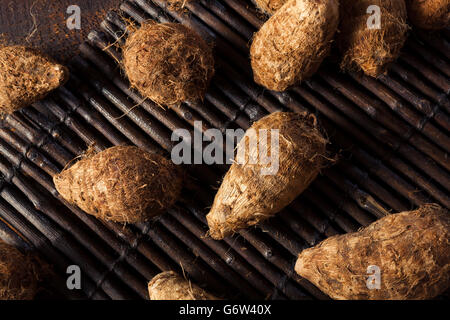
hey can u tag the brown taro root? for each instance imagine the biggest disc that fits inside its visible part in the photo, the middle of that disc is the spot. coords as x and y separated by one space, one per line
411 250
170 286
269 6
18 276
26 76
429 14
168 63
123 184
256 188
292 44
371 49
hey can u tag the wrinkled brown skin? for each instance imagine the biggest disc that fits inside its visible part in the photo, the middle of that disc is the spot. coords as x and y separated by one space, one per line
170 286
371 50
247 196
26 76
429 14
269 6
292 44
124 184
410 248
168 63
18 277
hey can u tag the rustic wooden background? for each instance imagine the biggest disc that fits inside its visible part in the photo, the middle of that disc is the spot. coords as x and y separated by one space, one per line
42 23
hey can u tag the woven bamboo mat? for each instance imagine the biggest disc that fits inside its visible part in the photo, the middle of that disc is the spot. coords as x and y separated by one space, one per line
392 136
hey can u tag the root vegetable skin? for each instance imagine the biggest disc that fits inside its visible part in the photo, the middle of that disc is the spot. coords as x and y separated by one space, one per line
26 76
371 50
170 286
168 63
123 184
269 6
292 44
410 248
18 277
429 14
247 196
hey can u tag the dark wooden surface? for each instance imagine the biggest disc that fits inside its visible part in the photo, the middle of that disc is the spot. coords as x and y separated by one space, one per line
42 23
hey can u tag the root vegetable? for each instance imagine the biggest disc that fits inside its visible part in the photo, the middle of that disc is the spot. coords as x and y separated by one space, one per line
18 277
269 6
371 49
26 76
170 286
429 14
411 250
168 63
255 189
291 45
124 184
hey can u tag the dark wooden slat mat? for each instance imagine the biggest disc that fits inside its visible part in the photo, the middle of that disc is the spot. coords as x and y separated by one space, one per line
392 136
